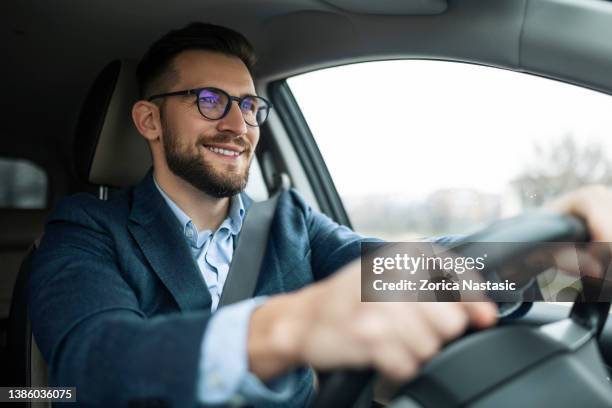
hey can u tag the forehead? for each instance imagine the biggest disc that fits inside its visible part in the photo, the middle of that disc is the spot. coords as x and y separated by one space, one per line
197 68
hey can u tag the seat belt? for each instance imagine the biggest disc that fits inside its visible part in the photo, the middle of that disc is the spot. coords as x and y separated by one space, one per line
248 255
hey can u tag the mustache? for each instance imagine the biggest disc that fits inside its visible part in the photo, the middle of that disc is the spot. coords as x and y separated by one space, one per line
227 139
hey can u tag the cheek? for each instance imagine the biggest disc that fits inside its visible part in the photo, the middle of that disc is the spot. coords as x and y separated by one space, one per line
179 140
174 134
190 130
253 137
202 131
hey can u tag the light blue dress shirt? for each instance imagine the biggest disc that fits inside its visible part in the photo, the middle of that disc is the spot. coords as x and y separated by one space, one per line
224 375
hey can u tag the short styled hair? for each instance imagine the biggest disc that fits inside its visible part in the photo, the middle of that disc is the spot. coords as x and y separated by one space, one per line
155 71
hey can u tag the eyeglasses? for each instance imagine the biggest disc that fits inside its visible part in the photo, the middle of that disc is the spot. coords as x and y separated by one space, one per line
215 104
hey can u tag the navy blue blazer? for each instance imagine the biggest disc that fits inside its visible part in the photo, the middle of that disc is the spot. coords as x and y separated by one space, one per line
119 307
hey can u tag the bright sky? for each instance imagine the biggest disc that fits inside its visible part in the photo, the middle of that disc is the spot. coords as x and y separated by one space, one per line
431 124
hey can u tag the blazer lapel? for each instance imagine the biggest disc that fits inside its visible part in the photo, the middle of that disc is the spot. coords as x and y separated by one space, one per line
159 236
246 202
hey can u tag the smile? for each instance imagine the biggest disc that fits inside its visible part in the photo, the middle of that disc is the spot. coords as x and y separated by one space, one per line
224 152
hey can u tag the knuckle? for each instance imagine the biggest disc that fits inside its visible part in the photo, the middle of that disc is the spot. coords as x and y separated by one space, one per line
431 348
375 339
397 368
407 369
424 353
454 325
371 333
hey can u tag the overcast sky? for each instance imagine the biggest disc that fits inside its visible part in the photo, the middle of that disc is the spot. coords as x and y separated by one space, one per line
428 125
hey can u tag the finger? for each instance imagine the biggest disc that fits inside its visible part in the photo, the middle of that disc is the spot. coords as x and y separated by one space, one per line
448 320
481 314
586 263
417 333
395 362
597 214
591 203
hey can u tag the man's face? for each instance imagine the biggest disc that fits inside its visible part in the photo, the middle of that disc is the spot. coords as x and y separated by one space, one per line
191 142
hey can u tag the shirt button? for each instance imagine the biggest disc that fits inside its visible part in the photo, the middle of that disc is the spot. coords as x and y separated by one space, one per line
189 233
215 381
237 401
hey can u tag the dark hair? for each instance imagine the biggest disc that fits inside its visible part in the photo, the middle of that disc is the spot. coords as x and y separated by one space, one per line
155 68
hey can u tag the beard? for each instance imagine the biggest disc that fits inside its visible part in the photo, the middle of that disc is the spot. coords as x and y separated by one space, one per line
191 166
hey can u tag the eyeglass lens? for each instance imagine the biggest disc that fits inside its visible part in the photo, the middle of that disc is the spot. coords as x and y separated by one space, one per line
213 105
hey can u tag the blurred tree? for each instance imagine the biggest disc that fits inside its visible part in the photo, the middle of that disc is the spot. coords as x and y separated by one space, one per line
560 168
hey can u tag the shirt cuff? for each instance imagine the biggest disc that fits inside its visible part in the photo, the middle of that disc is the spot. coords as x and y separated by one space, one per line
223 374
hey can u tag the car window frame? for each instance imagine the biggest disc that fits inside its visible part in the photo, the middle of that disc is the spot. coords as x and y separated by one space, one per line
308 152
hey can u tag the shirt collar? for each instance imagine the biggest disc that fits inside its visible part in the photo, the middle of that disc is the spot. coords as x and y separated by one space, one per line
233 222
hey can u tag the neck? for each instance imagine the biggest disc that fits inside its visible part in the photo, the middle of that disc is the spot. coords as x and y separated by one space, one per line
205 211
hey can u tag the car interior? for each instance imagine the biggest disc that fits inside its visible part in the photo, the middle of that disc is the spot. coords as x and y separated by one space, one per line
69 86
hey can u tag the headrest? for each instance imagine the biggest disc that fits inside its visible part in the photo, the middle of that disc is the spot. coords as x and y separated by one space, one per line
108 150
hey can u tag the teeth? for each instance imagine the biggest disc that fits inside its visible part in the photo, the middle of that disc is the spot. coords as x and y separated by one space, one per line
224 152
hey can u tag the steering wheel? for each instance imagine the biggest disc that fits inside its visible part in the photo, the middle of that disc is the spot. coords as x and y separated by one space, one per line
498 367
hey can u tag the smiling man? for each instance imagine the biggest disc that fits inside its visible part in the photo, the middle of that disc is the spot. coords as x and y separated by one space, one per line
124 294
212 156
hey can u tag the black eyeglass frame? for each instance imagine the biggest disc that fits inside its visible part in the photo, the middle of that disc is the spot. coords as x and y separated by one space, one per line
230 99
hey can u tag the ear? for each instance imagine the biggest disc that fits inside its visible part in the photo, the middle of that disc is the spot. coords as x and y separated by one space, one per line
146 118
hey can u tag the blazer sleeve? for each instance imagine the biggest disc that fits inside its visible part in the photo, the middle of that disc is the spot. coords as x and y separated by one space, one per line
331 245
88 325
334 245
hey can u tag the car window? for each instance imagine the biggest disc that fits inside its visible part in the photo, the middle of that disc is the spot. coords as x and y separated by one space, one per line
426 148
23 184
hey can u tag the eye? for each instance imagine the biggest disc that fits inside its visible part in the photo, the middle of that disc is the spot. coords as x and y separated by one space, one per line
250 104
209 99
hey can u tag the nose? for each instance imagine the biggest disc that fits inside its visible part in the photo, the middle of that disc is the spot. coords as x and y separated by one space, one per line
233 121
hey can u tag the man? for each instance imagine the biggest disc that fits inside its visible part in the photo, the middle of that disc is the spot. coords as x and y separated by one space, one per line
124 293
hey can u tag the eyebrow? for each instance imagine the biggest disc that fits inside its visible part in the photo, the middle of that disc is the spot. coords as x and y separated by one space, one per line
218 87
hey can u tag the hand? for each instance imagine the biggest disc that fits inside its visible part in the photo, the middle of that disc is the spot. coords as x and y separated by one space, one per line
593 204
327 326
